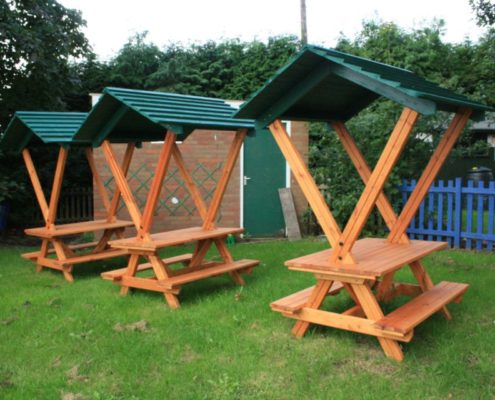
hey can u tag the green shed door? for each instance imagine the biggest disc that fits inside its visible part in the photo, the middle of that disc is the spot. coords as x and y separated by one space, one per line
264 174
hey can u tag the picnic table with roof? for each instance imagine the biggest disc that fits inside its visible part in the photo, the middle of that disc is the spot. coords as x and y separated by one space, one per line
326 85
126 116
29 129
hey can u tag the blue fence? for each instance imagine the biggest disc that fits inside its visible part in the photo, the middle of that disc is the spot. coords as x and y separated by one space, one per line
463 216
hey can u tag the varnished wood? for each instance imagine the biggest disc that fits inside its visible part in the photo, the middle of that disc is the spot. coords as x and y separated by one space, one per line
76 228
405 318
228 168
375 184
100 187
373 311
364 171
306 183
35 181
56 187
191 186
156 185
434 165
122 184
297 301
176 237
375 257
315 300
126 163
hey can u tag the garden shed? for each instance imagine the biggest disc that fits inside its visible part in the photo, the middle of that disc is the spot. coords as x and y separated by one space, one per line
251 200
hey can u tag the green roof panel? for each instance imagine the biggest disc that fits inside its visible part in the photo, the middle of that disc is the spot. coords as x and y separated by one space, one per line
28 128
124 115
323 84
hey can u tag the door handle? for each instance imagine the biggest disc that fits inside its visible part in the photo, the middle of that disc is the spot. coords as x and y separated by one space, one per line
246 178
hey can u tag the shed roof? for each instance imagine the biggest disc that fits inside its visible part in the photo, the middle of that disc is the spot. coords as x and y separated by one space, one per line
123 115
41 127
324 84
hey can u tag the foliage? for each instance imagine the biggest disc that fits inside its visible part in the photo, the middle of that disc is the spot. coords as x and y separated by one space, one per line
485 11
38 39
230 69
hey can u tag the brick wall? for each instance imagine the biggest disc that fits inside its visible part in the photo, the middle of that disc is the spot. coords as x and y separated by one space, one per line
204 153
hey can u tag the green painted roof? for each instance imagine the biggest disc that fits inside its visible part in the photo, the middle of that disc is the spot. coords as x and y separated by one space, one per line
322 84
41 127
125 115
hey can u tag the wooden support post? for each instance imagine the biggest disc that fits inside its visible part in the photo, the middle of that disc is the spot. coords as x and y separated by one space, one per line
373 311
191 186
306 183
235 147
156 185
385 208
38 191
57 186
435 164
364 171
375 184
122 184
319 293
97 179
126 163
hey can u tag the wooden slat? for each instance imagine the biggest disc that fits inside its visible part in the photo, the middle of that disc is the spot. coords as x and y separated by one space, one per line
375 184
35 181
172 238
220 269
32 255
93 257
364 171
111 275
228 168
296 301
142 283
57 186
76 228
100 187
434 165
306 182
126 163
405 318
156 185
347 322
374 257
189 181
122 184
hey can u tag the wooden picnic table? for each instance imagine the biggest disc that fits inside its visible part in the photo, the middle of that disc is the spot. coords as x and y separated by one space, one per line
58 128
330 86
171 115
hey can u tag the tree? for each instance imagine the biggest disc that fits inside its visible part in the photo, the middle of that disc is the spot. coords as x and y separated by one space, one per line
484 10
135 63
38 38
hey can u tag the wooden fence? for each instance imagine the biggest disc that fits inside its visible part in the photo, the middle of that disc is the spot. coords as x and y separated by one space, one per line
463 216
76 204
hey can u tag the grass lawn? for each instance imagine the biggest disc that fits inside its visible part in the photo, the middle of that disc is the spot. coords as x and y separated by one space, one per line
69 341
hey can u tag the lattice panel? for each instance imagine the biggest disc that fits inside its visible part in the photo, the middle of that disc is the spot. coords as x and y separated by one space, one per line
175 198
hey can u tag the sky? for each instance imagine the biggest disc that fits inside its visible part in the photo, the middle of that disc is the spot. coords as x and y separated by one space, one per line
111 22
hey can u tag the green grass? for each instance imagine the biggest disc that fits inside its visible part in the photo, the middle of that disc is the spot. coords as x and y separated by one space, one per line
58 340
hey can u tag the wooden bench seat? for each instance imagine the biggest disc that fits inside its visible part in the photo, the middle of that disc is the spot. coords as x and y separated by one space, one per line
34 254
296 301
76 228
172 238
116 273
374 257
214 270
405 318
